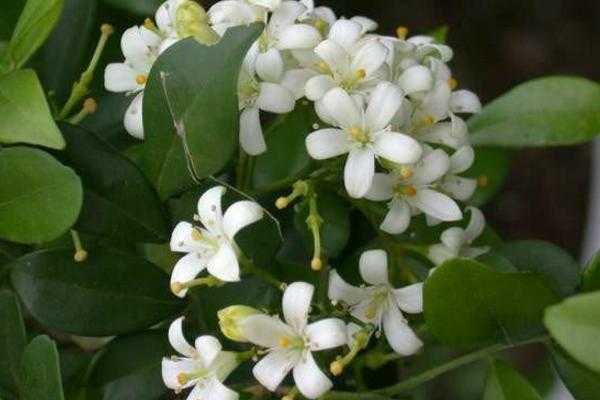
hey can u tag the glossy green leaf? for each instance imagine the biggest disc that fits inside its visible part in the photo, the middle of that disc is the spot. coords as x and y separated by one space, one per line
107 121
110 293
129 367
119 202
286 158
9 15
550 111
468 303
40 371
555 264
193 87
583 383
591 274
40 198
491 168
26 117
504 383
575 325
12 339
143 8
33 28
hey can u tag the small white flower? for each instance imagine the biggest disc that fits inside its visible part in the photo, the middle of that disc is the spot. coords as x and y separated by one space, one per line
211 246
456 242
203 366
229 13
456 186
413 189
364 134
380 304
291 343
320 16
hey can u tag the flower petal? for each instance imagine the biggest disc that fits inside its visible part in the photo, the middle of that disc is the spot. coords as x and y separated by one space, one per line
397 147
454 238
133 120
452 134
298 36
382 187
209 208
340 290
120 77
399 335
384 104
345 33
252 139
343 108
186 269
431 168
309 378
326 334
335 56
416 79
268 4
476 224
224 264
295 81
464 101
269 66
296 303
373 267
318 86
275 98
439 254
369 58
178 340
239 215
410 298
285 15
459 188
264 330
368 25
462 159
437 205
274 367
397 220
182 240
208 348
359 172
212 389
171 368
327 143
436 103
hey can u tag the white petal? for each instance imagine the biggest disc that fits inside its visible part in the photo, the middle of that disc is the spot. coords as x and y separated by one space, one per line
134 120
181 239
264 330
368 25
224 264
298 36
275 98
326 334
285 15
464 101
318 86
359 172
345 33
459 188
327 143
323 113
397 220
397 147
269 66
382 187
335 56
135 49
436 102
373 267
209 208
178 340
186 269
252 139
309 378
437 205
410 298
296 304
369 58
120 77
172 368
295 81
269 4
439 254
431 168
400 336
453 238
462 159
273 368
340 290
239 215
416 79
384 104
474 252
476 224
208 348
452 134
343 108
212 389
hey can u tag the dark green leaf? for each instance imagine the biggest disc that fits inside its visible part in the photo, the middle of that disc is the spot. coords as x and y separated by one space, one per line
591 274
40 371
551 111
40 198
504 383
286 158
110 293
9 14
555 264
491 169
467 303
118 200
129 367
107 121
575 325
12 339
143 8
26 117
581 382
193 87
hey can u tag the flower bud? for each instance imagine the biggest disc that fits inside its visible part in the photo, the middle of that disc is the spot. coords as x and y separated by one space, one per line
192 20
230 319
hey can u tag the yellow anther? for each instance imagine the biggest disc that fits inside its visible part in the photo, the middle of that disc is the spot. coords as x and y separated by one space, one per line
107 29
361 73
182 379
324 67
321 25
196 234
177 287
282 203
316 264
406 172
402 32
483 181
409 191
90 105
141 79
284 342
80 256
428 120
336 368
149 24
453 83
358 135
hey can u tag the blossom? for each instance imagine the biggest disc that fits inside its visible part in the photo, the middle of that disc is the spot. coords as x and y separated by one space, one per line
364 135
290 344
456 241
229 13
456 186
211 246
380 303
203 366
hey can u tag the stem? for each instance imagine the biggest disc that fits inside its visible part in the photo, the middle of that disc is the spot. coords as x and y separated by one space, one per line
80 253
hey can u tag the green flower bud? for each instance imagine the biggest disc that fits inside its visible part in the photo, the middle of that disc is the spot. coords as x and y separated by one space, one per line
192 20
230 319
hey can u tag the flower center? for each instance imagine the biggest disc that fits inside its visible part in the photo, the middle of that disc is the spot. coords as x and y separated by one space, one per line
359 135
287 342
402 190
377 303
351 81
141 79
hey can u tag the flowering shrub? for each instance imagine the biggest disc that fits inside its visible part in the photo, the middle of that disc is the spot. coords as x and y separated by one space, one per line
311 187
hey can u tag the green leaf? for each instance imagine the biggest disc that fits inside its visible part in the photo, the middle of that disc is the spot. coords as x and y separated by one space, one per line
286 159
575 325
555 264
40 198
110 293
581 382
9 14
440 34
196 86
504 383
107 121
491 168
119 202
129 367
591 274
40 371
26 117
12 339
468 303
143 8
551 111
33 28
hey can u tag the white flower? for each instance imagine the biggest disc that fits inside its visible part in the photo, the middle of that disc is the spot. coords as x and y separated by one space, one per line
322 17
364 134
229 13
140 46
413 189
203 366
380 304
456 242
166 17
211 246
455 186
291 343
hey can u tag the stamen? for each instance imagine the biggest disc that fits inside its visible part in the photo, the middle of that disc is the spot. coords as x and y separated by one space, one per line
284 342
406 172
402 32
409 191
196 235
336 368
80 253
182 379
141 79
361 73
300 189
428 120
453 83
358 134
324 67
150 25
